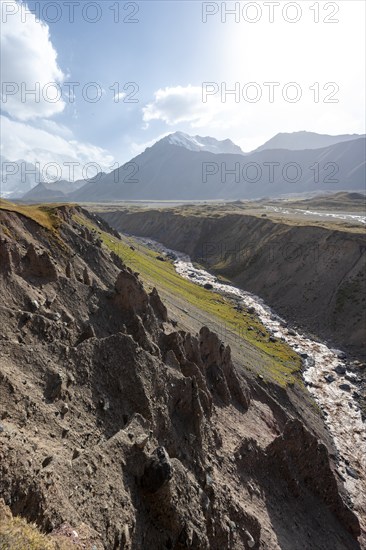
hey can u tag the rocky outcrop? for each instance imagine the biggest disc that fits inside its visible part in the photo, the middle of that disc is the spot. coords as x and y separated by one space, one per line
220 371
39 265
6 263
158 306
303 461
158 471
130 293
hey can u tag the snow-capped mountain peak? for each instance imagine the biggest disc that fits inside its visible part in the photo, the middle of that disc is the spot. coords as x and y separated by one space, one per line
198 143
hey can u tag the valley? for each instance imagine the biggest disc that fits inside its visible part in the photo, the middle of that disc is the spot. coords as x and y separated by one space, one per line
292 261
86 399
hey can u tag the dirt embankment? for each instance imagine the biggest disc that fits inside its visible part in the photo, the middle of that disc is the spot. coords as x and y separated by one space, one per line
314 277
120 431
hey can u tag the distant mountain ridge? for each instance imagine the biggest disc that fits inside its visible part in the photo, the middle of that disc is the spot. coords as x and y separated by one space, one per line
184 167
55 190
304 140
169 172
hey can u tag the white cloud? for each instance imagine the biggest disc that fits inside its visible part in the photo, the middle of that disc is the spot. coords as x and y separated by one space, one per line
23 141
29 62
178 104
119 97
54 128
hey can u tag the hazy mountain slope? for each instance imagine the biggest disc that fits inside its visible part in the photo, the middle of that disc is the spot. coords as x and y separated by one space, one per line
17 178
165 171
304 140
58 190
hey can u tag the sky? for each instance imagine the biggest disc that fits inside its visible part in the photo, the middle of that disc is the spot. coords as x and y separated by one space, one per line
109 78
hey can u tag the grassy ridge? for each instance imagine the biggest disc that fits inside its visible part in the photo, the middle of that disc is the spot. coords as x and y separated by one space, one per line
282 363
44 215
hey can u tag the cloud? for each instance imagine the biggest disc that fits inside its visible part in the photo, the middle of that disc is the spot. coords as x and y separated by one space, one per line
119 97
178 104
29 62
23 141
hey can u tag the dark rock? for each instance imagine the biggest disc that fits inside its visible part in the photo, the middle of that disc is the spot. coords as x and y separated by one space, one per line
47 461
54 386
304 355
340 354
130 293
87 333
345 387
69 270
117 260
157 305
351 472
208 286
251 310
158 471
39 265
272 339
291 332
64 408
329 378
86 277
340 369
160 258
76 453
6 262
55 316
34 305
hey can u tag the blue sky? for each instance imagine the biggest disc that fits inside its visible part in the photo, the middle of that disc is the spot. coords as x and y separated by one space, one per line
168 54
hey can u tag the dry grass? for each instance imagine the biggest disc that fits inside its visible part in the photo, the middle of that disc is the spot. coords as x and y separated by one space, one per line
17 534
43 214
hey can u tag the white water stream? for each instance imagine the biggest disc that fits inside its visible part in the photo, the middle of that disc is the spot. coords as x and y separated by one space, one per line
335 396
355 218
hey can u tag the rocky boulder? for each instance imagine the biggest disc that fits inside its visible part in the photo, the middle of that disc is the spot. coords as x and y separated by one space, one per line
39 265
158 471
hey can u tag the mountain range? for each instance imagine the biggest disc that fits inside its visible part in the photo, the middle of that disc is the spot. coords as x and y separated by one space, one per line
183 167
